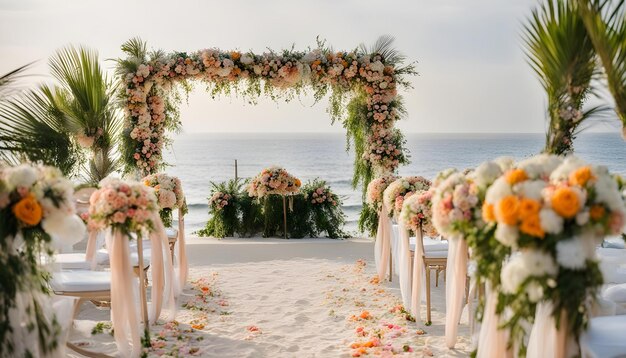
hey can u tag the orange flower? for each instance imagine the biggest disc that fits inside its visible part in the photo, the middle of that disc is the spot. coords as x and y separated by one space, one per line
489 214
597 212
198 326
298 182
565 202
365 315
528 207
580 176
28 210
507 210
531 225
235 55
515 176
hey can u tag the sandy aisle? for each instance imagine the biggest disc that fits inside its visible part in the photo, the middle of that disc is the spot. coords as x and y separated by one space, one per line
277 298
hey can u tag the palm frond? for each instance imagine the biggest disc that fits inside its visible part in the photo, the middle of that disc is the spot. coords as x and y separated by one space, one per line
32 129
384 47
606 24
8 79
561 53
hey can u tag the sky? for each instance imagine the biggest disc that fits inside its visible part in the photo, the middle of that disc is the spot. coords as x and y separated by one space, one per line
473 75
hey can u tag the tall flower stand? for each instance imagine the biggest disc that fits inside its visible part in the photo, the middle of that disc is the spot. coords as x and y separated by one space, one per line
272 205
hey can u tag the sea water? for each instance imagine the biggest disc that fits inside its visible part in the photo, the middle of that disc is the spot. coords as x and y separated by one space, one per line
198 159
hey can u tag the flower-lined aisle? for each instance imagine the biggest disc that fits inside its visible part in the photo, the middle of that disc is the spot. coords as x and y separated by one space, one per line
379 324
327 306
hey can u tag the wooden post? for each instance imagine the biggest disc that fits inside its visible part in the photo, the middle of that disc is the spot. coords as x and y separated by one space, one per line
236 176
285 215
142 286
390 264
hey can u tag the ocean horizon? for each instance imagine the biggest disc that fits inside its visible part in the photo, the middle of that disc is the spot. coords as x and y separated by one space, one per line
201 158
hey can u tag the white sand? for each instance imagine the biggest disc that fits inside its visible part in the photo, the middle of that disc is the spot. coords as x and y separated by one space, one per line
286 298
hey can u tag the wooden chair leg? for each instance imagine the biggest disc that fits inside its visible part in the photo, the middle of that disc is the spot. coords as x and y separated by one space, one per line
437 277
428 295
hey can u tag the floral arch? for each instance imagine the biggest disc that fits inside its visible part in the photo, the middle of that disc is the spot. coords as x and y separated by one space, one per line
370 76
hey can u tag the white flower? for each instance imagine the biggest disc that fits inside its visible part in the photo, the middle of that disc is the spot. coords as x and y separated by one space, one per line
526 264
534 291
532 189
507 235
551 222
64 229
563 171
486 173
246 59
22 175
539 263
513 274
377 66
498 190
608 193
571 253
505 163
582 218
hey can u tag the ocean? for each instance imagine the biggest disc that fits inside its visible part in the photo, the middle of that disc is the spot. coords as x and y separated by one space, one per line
199 158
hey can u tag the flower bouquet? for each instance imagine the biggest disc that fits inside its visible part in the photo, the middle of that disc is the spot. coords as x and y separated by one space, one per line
273 180
226 202
402 188
169 193
368 219
417 212
37 213
269 185
124 206
553 212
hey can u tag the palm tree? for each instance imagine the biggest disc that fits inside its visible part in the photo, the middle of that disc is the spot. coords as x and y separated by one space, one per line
56 125
86 98
605 22
562 55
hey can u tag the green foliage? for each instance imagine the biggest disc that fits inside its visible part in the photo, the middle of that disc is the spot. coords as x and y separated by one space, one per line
34 129
224 220
561 53
368 220
247 216
605 21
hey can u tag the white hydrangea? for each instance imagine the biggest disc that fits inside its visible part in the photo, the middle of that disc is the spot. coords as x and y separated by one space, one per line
505 163
551 222
507 235
532 189
21 175
498 190
563 171
486 173
607 192
570 253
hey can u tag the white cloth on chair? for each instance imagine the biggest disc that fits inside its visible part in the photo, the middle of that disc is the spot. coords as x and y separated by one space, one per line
403 258
80 281
604 337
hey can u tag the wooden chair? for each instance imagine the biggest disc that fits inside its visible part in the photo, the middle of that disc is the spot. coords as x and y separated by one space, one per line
435 260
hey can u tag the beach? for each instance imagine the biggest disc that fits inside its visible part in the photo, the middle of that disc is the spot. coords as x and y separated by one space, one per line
286 298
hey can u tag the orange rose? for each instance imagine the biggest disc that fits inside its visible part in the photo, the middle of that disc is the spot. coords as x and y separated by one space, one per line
298 182
235 55
28 211
515 176
580 176
528 207
597 212
489 214
531 225
507 210
565 202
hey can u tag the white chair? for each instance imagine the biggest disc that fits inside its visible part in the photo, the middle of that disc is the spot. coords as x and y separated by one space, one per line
604 337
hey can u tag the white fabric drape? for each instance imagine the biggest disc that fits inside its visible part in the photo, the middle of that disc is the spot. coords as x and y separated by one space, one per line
545 339
383 243
183 265
404 264
492 341
418 278
163 278
124 310
456 273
